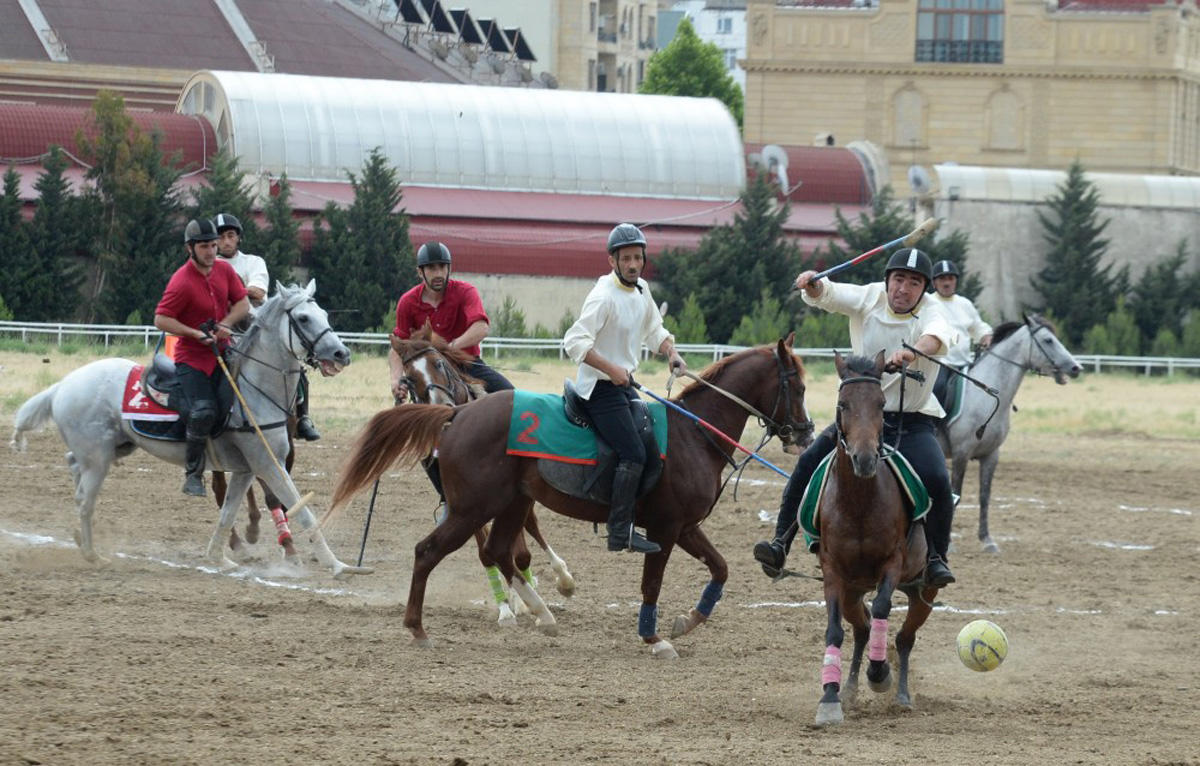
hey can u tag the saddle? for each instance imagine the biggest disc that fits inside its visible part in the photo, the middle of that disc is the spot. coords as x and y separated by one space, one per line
160 382
594 482
951 399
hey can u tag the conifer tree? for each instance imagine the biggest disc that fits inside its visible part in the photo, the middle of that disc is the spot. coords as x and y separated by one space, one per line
15 249
734 263
1073 284
361 256
1161 298
58 232
280 239
226 190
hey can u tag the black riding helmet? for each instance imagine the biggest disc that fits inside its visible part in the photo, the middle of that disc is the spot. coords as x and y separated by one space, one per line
945 268
433 252
225 221
199 230
623 235
910 259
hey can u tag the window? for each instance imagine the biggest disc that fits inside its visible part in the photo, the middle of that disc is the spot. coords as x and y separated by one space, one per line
730 58
592 17
592 74
724 25
962 31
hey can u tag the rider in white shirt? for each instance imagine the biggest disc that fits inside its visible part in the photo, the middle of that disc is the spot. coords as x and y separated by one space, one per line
253 272
963 317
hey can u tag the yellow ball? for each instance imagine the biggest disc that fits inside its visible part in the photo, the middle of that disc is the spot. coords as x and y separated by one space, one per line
982 645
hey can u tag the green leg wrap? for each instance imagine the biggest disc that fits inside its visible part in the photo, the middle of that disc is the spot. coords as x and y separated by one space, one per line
527 573
497 584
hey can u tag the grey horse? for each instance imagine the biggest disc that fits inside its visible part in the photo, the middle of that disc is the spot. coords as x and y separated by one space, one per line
86 406
1017 347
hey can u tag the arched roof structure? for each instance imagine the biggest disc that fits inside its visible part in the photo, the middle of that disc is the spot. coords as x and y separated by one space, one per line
468 136
973 182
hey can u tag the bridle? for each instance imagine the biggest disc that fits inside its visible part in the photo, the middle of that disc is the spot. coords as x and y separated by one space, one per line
788 430
308 344
1028 365
456 385
837 419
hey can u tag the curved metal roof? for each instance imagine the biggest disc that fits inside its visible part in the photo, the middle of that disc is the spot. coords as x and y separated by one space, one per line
317 128
971 182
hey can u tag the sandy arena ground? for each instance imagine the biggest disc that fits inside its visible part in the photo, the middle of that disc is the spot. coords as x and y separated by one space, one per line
155 658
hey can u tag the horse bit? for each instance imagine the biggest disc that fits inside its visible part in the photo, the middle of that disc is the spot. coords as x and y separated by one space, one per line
456 381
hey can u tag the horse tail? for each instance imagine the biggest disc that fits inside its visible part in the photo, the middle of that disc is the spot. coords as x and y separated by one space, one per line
410 431
33 414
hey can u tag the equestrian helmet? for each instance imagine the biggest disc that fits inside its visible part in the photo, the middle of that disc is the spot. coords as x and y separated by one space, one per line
225 221
433 252
945 268
910 259
199 230
624 235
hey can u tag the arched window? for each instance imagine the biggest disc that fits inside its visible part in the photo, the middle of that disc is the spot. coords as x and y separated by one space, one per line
962 31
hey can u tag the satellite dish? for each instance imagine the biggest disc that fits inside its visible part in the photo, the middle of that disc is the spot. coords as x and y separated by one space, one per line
439 48
498 64
775 160
526 75
470 54
549 80
919 180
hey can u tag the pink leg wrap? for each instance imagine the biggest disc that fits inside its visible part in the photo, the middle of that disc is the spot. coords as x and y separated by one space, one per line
281 525
877 645
831 671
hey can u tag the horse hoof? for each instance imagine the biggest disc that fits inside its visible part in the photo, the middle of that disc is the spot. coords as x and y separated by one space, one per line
663 650
904 702
990 547
880 686
547 628
422 643
566 586
829 713
681 626
507 618
345 571
251 534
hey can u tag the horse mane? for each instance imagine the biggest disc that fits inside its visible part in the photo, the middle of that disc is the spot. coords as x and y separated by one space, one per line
1008 328
714 370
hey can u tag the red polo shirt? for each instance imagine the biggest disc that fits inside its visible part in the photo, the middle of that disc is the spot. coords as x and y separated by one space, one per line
193 298
460 308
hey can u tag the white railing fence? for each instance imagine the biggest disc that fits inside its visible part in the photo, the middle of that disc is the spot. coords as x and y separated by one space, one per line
147 335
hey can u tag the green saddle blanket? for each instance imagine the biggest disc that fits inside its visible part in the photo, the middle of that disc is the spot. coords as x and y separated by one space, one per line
915 495
539 428
954 398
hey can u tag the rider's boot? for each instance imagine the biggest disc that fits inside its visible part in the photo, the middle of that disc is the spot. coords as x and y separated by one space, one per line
194 483
621 534
937 571
772 554
304 425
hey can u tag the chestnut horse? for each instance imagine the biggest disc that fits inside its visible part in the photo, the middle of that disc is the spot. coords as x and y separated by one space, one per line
483 483
435 373
866 545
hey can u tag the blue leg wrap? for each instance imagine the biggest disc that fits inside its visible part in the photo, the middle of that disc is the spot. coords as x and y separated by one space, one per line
648 620
710 597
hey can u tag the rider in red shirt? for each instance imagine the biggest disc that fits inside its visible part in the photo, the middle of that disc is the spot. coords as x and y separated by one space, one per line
455 312
202 289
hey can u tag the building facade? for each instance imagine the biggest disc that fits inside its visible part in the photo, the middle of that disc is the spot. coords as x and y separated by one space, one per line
596 45
722 23
1022 83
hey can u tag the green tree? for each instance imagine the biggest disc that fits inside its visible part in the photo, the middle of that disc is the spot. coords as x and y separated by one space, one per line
1165 344
823 330
57 233
1189 341
1160 299
734 263
226 190
767 321
15 248
280 241
508 321
690 67
5 314
1081 292
361 257
138 223
1118 335
565 323
690 326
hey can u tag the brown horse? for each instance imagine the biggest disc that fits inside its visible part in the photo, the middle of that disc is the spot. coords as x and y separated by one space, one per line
483 483
436 373
867 544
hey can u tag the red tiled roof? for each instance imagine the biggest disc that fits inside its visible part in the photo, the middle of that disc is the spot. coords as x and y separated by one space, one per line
825 173
26 132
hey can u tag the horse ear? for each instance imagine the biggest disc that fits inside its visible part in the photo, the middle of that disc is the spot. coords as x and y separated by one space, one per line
879 362
789 340
311 288
278 287
839 363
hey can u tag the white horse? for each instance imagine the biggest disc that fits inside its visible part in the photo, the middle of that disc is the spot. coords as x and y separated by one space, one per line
1017 347
287 330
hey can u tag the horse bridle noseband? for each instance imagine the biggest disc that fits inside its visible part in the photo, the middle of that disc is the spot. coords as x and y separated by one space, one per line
456 380
1033 331
837 418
